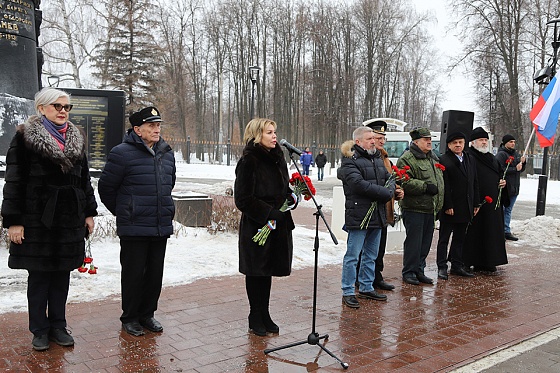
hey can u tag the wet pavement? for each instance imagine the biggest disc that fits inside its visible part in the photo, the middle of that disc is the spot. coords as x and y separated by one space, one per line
438 328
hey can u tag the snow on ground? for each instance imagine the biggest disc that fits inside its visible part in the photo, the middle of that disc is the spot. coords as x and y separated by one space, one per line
195 253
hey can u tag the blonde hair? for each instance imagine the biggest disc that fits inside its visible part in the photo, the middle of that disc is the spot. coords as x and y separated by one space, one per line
47 96
255 128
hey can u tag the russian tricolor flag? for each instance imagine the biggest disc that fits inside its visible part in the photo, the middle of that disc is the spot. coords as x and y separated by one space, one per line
544 114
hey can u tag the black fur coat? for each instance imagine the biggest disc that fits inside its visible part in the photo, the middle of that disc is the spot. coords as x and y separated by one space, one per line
48 191
261 186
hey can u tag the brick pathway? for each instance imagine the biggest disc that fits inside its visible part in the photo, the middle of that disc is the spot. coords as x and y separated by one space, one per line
419 329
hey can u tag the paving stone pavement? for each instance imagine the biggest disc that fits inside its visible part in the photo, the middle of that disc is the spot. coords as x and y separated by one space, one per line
438 328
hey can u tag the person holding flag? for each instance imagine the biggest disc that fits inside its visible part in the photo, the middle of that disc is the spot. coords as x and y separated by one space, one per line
507 155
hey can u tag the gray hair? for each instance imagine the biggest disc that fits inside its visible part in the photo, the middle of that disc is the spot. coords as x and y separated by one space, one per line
47 96
359 132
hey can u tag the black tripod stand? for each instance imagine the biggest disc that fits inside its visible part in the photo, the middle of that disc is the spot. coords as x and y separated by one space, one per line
313 338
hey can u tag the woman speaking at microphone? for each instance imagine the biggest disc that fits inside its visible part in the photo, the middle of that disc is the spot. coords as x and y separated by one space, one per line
261 188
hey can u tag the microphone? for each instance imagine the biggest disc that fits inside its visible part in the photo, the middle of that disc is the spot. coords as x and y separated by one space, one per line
290 147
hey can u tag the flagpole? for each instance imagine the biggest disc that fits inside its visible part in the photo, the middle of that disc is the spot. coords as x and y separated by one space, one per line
529 141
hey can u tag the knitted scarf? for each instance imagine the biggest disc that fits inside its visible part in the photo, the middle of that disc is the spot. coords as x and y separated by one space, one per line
56 131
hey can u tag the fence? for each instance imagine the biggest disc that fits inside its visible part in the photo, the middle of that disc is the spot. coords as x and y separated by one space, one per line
228 153
534 166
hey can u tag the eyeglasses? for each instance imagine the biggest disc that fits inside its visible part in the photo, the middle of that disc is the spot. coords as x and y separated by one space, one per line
59 107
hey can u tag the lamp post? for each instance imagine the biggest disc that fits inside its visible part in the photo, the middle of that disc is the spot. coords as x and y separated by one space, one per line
540 77
254 75
53 80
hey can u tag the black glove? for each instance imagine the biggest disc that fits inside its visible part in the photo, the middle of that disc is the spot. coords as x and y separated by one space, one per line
276 215
431 189
293 201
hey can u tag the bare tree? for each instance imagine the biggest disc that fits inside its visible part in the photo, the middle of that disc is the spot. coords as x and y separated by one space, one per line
495 31
70 36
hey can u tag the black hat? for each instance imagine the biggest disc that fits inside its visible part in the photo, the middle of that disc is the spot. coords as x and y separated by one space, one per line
418 133
148 114
455 136
378 126
479 133
507 138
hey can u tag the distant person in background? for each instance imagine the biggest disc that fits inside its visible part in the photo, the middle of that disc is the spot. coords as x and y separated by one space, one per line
460 204
320 161
136 186
485 247
513 178
306 160
48 209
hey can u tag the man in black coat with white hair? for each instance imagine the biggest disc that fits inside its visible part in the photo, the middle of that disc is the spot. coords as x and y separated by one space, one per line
459 205
367 188
136 186
484 247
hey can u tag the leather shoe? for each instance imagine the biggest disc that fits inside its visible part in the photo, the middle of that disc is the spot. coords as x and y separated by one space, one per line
133 328
151 324
460 272
350 301
371 295
40 342
511 237
61 337
485 268
442 273
411 279
383 285
424 279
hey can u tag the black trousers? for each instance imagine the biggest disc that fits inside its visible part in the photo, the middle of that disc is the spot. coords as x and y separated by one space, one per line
141 276
258 293
47 292
419 233
456 249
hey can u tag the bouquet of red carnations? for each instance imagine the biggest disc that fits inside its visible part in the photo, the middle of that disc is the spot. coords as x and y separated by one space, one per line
87 265
401 177
300 188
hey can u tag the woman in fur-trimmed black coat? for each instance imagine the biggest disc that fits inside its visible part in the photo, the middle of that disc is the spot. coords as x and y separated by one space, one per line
261 187
48 208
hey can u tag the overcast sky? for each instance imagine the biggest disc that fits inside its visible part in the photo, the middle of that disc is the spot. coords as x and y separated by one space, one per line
459 87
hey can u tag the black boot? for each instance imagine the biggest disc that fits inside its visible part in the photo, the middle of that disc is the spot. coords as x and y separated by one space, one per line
256 325
269 325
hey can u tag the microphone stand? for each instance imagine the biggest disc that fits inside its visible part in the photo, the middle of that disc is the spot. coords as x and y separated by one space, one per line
313 338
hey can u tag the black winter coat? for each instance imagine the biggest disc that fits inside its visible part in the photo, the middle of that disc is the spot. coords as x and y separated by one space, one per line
320 160
136 185
461 187
513 177
363 180
261 186
48 191
485 243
